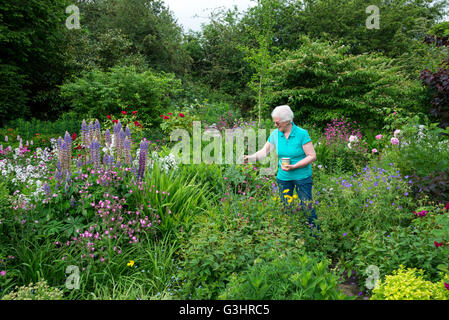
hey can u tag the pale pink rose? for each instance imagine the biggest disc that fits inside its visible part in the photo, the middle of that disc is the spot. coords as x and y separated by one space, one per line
374 150
379 136
394 141
396 133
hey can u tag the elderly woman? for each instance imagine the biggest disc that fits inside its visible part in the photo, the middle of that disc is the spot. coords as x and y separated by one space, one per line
291 141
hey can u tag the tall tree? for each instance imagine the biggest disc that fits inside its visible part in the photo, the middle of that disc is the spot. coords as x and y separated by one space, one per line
259 56
148 24
31 57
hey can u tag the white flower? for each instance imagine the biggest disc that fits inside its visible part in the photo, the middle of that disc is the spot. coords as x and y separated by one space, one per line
396 133
349 145
352 139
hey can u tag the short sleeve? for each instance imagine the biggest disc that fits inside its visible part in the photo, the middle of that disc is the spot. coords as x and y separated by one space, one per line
273 138
305 137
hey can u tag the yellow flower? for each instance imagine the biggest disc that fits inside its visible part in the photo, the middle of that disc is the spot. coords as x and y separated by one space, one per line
295 196
286 190
289 200
130 263
287 196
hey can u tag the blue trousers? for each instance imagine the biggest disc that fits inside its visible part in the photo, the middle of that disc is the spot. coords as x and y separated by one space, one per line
303 188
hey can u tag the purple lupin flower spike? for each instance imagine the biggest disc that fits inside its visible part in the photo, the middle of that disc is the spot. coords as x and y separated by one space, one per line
119 145
91 134
68 151
128 132
142 159
127 150
107 138
47 190
94 148
97 130
63 156
84 133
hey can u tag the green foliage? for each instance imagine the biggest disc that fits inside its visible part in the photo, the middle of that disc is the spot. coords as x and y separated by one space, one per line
37 291
220 63
36 129
175 197
13 94
4 198
321 82
422 152
99 93
148 25
32 39
409 284
290 277
87 50
411 246
230 242
400 23
375 199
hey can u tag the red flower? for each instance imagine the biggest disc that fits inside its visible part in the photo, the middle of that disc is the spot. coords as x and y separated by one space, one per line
166 117
115 121
446 285
134 112
162 115
170 114
438 244
181 115
108 116
123 112
447 206
74 136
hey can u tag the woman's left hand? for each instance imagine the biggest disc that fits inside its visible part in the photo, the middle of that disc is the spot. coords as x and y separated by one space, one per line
287 167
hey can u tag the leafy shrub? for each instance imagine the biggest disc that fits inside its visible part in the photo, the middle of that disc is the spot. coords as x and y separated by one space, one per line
289 277
420 244
409 284
181 120
99 93
439 89
423 151
226 243
321 82
38 291
375 199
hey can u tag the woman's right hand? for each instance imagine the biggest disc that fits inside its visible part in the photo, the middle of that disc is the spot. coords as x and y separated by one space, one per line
246 159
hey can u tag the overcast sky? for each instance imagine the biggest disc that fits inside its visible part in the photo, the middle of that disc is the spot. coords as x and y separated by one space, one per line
185 10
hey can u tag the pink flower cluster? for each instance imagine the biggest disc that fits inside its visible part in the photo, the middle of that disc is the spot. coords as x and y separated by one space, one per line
117 223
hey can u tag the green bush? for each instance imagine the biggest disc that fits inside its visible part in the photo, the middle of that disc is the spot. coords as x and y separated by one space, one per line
288 277
99 93
409 284
374 199
423 152
230 242
321 82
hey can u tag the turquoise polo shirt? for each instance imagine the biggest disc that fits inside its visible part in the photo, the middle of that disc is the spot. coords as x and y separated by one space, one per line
291 148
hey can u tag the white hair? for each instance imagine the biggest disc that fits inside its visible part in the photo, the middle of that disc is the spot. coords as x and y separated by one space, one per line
284 113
